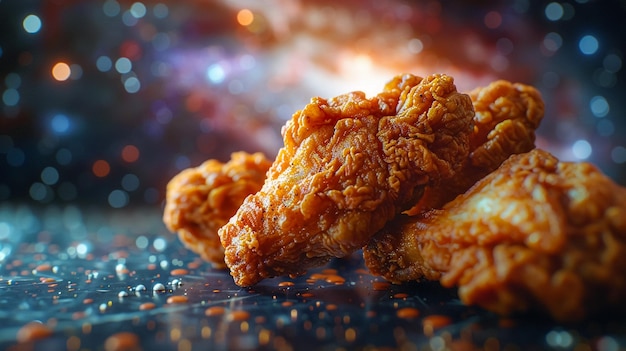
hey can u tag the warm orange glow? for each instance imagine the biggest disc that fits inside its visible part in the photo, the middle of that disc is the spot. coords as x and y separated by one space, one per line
358 69
101 168
245 17
61 71
362 63
130 153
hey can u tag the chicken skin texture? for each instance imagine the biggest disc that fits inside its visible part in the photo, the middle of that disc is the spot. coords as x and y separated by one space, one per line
202 199
536 235
506 117
349 164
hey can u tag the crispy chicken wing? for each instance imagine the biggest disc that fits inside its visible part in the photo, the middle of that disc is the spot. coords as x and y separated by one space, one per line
535 235
202 199
349 164
506 117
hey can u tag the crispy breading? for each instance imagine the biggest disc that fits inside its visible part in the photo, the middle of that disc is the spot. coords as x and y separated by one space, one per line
536 235
506 117
349 164
201 199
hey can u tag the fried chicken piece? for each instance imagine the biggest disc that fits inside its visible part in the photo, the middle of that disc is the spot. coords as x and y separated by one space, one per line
506 117
349 164
202 199
535 235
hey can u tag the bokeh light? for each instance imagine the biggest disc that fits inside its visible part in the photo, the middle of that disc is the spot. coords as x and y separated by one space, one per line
599 106
216 73
582 149
129 19
32 24
104 64
101 168
588 45
111 8
13 80
118 198
160 11
138 10
61 71
245 17
131 50
618 154
130 182
11 97
612 63
552 42
41 192
60 123
76 71
50 175
123 65
415 46
130 153
132 84
554 11
166 85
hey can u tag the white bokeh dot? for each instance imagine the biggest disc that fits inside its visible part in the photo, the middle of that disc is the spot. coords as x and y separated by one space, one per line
159 244
138 10
132 85
123 65
581 149
32 24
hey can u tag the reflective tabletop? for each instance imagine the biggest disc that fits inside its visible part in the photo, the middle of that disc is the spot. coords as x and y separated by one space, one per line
80 279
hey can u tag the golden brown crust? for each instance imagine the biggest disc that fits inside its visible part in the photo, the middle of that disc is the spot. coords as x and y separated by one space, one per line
535 235
349 165
502 106
563 251
506 117
200 200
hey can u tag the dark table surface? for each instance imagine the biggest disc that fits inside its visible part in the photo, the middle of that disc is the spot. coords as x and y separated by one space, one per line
93 278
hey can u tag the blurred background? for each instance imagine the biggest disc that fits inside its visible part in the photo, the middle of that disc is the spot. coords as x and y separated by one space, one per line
102 102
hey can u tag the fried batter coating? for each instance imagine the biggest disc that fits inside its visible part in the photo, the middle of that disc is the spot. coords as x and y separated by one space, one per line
349 164
506 117
535 235
200 200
